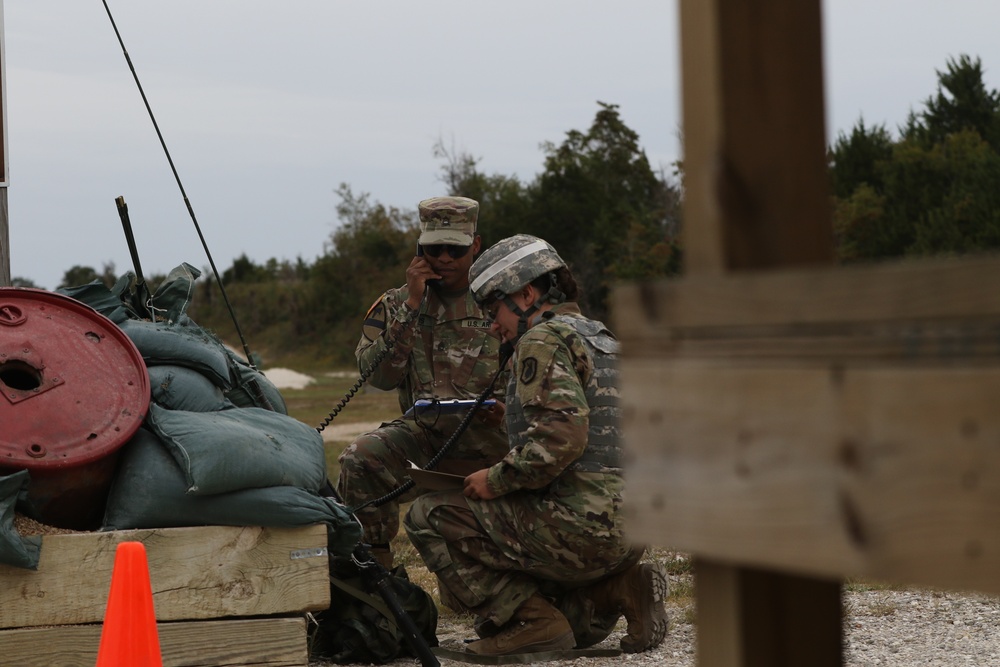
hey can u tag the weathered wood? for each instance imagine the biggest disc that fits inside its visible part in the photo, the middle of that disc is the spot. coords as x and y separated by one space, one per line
262 642
840 471
940 311
801 625
755 140
195 573
931 289
5 277
755 197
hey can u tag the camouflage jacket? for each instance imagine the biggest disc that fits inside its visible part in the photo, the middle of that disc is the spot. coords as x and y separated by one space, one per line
443 351
549 415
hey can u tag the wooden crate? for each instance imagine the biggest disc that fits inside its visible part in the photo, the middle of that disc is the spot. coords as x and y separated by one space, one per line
204 580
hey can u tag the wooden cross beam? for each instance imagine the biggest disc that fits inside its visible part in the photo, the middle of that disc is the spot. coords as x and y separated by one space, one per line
790 423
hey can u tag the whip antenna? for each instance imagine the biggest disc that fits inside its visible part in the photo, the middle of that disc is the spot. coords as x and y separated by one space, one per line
187 203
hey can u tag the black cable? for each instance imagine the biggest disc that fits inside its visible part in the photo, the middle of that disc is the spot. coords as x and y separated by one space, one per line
362 378
368 370
187 203
505 353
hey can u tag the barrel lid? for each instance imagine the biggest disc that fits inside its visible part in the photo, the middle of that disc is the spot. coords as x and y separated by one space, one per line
73 386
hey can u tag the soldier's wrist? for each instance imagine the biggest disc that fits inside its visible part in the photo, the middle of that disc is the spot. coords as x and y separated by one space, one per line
406 313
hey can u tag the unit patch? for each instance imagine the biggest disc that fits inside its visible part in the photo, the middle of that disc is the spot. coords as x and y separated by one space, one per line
529 368
374 323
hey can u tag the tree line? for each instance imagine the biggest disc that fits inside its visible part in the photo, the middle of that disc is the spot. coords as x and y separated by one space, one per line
928 188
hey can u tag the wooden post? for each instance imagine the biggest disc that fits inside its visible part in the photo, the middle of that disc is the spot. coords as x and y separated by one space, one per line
788 422
756 198
755 160
754 135
5 278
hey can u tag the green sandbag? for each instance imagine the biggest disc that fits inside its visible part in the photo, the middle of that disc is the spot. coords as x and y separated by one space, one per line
16 550
252 389
240 448
189 346
149 491
180 388
100 298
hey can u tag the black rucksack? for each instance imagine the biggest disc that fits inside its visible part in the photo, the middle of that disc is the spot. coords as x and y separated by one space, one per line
359 627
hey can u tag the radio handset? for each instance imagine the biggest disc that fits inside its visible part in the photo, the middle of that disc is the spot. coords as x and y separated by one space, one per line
432 282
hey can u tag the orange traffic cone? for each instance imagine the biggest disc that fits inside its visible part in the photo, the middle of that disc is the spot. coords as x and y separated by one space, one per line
128 637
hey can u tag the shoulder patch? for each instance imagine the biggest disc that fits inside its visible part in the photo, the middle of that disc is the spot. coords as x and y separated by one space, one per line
378 302
529 368
374 323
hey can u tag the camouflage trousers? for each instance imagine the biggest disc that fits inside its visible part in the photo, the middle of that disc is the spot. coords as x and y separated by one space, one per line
376 463
491 573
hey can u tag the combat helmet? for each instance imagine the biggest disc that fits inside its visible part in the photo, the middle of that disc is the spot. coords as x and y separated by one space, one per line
509 265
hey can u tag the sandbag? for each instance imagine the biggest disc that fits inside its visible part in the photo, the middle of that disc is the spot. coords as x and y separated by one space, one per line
172 298
251 388
100 298
177 345
180 388
15 550
149 491
240 448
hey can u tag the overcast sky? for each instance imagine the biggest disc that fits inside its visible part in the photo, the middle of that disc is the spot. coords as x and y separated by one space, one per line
267 106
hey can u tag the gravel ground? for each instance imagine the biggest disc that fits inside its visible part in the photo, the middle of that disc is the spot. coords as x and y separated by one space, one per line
882 628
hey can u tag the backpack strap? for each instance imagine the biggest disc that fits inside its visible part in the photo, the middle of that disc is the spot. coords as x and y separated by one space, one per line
370 600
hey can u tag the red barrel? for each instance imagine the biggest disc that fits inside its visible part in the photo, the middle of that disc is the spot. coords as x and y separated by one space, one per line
75 389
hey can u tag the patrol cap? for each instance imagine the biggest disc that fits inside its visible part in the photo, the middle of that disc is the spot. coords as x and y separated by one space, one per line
450 220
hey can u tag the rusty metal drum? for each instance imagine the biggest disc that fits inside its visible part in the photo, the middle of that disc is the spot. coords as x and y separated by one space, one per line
74 390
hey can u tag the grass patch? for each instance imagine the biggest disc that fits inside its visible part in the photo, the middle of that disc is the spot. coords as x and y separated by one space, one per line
314 403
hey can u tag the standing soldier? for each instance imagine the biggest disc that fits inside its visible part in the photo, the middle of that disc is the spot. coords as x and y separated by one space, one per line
433 342
534 545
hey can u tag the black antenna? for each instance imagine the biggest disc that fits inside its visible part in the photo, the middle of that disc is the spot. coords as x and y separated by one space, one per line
218 279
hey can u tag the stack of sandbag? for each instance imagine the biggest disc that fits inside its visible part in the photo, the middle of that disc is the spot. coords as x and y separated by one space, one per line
217 446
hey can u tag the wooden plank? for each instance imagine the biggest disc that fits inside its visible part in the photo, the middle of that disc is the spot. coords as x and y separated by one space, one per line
270 642
195 573
755 141
801 625
883 472
5 277
946 342
931 289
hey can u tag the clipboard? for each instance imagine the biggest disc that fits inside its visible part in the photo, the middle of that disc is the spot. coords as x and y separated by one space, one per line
445 407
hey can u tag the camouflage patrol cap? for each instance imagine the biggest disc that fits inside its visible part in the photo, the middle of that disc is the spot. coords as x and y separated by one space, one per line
510 264
450 220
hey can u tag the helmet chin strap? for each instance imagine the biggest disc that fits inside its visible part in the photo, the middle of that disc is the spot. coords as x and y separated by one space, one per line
552 295
522 315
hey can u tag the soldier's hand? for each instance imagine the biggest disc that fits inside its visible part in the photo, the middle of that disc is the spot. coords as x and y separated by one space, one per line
476 487
417 274
492 415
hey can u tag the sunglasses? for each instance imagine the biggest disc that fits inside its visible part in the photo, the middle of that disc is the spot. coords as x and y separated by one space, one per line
455 251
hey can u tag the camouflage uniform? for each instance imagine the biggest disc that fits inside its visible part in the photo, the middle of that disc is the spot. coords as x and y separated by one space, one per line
443 350
558 524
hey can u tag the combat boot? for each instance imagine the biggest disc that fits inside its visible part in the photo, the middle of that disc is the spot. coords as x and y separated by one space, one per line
536 626
639 593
